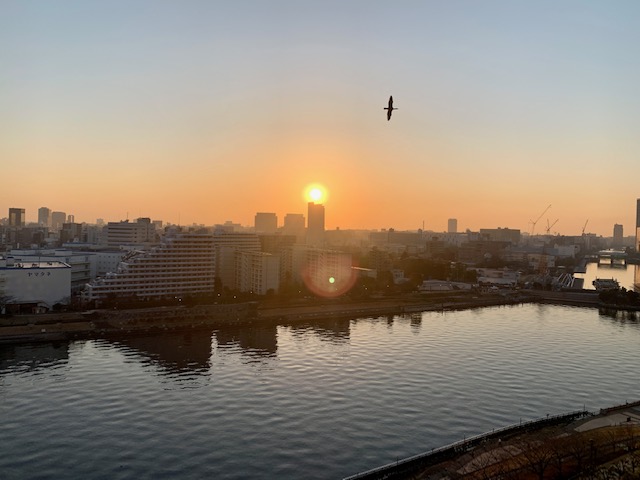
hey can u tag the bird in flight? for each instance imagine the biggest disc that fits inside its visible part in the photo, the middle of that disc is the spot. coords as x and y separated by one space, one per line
390 108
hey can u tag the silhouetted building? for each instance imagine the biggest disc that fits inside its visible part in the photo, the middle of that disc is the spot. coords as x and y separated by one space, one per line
500 235
617 236
44 217
16 217
276 242
71 232
294 225
638 226
57 219
452 225
478 251
315 227
266 222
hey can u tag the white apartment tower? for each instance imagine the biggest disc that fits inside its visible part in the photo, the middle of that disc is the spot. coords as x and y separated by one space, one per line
182 265
257 272
226 245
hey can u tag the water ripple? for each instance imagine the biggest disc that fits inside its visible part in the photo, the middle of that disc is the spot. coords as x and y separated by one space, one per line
318 400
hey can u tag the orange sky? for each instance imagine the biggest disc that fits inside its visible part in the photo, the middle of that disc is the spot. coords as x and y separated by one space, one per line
203 114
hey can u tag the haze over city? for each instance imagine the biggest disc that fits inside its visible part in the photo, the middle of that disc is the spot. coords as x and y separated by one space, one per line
203 112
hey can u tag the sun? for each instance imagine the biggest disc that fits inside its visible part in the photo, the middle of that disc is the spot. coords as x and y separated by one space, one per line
315 193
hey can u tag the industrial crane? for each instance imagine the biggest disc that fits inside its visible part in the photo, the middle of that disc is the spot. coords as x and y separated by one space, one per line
585 226
549 226
533 226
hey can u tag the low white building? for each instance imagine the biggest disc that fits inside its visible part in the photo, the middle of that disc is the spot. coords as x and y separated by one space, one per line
83 264
44 283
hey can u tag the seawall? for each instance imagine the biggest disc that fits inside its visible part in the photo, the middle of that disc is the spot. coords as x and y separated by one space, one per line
94 323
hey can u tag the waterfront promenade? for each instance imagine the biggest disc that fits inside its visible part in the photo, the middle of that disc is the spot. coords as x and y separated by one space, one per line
549 447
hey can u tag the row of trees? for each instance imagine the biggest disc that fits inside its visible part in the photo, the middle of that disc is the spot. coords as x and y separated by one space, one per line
620 296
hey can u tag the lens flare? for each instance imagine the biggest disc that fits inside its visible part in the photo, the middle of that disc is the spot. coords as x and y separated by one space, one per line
330 281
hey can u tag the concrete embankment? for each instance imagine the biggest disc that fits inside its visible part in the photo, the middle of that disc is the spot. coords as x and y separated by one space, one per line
61 326
68 326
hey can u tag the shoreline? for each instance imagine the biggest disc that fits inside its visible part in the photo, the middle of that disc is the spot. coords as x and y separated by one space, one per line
98 323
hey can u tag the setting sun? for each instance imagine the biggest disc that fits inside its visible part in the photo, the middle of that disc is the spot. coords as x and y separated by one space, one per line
315 193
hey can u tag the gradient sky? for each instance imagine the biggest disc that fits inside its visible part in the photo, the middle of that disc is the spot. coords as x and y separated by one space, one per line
207 111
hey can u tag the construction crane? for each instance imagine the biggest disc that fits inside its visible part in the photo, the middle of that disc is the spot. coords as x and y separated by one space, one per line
585 226
533 224
549 226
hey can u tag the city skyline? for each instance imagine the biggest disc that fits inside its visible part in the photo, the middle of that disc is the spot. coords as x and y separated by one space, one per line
202 113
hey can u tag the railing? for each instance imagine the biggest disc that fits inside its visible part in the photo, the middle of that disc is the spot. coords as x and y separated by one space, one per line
410 465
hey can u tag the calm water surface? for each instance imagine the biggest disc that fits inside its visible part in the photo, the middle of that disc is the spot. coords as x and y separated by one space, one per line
321 400
627 276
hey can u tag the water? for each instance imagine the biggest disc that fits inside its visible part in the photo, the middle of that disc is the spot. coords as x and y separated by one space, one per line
626 275
322 400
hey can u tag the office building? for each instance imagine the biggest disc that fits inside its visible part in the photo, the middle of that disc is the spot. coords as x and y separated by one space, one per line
16 217
500 235
452 225
140 232
44 217
638 226
294 224
265 222
57 219
618 236
315 226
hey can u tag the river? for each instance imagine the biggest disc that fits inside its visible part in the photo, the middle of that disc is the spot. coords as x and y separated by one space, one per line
319 400
626 275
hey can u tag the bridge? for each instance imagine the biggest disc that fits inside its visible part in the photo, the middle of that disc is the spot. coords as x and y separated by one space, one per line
615 258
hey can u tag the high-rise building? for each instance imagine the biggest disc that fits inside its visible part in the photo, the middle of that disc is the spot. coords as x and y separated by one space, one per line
617 236
638 226
57 219
44 217
16 217
452 225
266 222
315 227
294 225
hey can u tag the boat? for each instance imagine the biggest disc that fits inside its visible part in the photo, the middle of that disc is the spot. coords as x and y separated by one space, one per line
602 284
